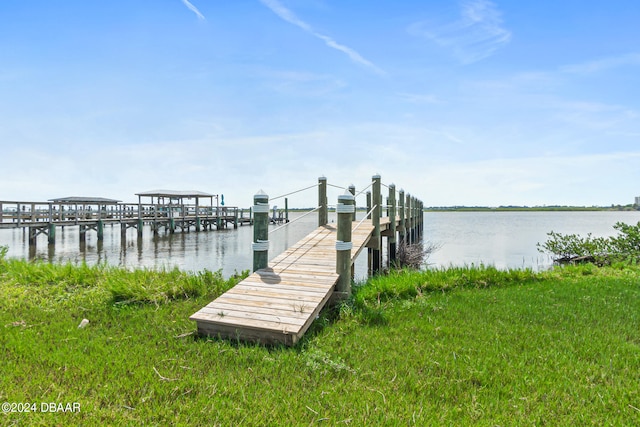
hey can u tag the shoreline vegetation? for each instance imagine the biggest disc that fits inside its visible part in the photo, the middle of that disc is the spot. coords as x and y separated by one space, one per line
459 346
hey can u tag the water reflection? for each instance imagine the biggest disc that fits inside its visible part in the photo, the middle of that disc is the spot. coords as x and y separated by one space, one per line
503 239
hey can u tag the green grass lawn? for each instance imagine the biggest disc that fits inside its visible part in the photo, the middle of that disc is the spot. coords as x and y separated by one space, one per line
468 346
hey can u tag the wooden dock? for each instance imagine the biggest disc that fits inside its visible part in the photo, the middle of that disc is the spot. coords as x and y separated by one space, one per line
281 299
278 304
95 214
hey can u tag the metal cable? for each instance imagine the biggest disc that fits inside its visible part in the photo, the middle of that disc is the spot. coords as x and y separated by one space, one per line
364 189
291 222
337 186
365 217
293 192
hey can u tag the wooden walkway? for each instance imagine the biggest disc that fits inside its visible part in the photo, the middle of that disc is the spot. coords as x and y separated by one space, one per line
279 303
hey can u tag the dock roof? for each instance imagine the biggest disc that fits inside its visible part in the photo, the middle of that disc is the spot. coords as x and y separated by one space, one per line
85 199
174 193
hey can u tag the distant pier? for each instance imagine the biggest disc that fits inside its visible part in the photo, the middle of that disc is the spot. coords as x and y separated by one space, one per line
164 210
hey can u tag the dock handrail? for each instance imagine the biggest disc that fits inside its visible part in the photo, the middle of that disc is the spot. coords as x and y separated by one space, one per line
406 212
292 221
365 217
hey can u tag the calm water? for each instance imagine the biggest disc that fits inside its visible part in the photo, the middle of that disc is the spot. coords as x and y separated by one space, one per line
503 239
508 239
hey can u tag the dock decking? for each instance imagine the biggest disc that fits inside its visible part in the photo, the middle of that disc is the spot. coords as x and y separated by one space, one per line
279 303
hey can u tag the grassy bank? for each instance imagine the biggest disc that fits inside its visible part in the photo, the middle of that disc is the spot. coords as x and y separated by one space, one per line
446 347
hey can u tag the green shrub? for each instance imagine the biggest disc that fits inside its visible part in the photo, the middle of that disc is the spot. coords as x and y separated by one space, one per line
624 247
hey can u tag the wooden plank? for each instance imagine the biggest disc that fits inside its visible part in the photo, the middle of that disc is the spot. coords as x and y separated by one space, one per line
291 275
325 271
277 294
243 322
259 301
301 290
224 311
305 282
288 312
250 287
247 333
251 302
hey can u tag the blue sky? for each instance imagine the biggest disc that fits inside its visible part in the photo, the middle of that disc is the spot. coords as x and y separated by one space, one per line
470 102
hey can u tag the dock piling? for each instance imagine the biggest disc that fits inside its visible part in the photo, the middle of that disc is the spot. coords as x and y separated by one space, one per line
401 214
52 233
352 190
391 252
260 231
323 212
407 223
100 229
376 253
345 210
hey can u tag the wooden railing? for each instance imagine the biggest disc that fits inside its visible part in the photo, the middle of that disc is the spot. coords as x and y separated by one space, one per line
25 213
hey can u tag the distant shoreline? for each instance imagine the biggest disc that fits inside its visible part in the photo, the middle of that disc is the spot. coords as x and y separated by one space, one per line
616 208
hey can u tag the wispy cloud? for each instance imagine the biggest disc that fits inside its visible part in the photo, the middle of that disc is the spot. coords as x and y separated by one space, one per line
303 84
476 35
194 9
603 64
287 15
418 98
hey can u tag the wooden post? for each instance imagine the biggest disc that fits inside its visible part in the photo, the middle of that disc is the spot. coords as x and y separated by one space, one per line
83 233
375 238
33 233
52 233
286 210
197 212
100 230
420 218
260 231
352 190
140 219
401 213
52 226
392 214
407 208
369 250
417 218
218 222
414 220
323 212
235 218
344 209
